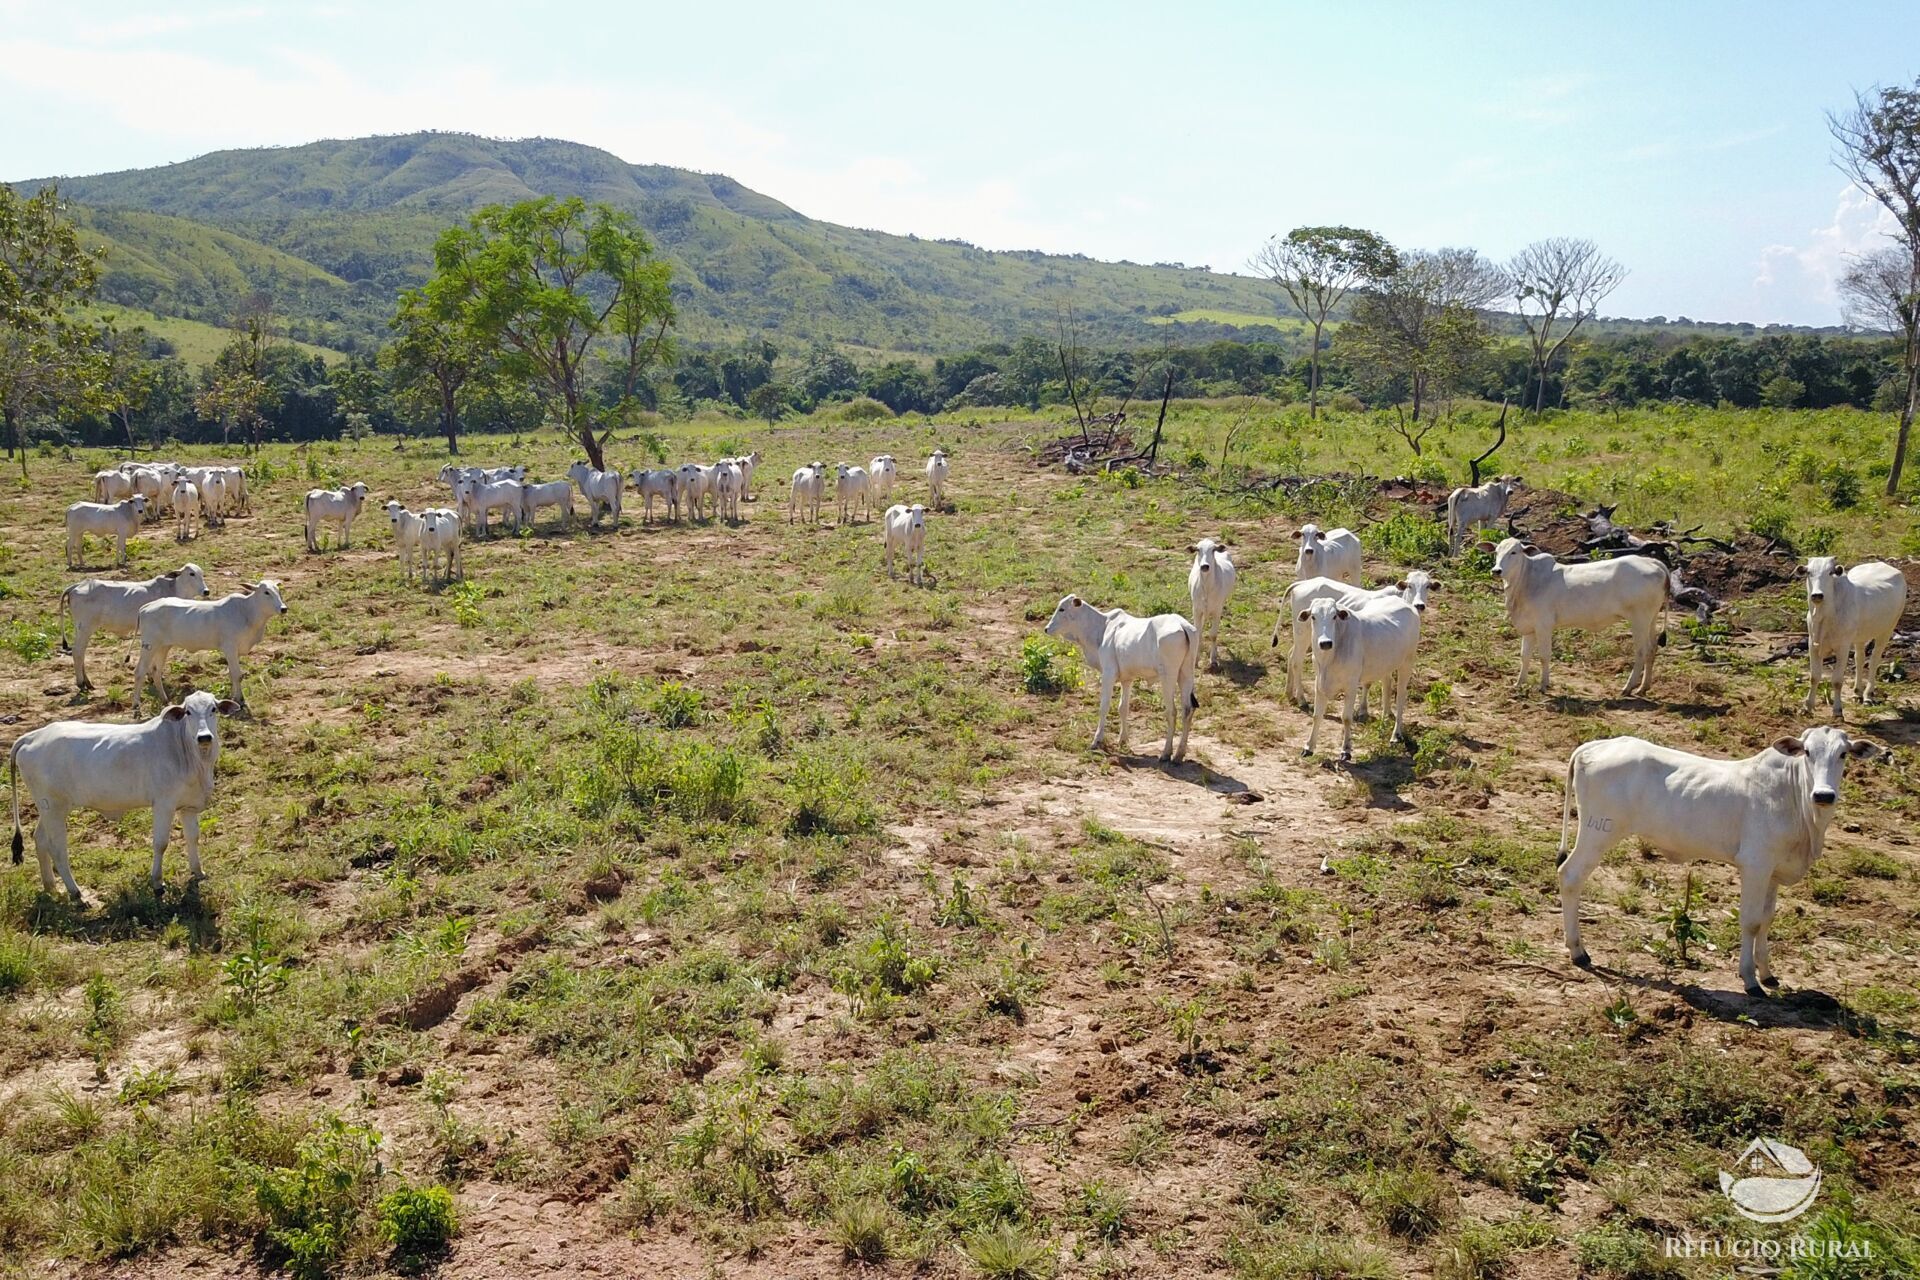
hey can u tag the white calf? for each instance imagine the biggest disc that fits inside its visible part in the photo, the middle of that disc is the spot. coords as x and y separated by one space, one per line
112 486
164 764
747 466
1334 553
118 521
440 543
1123 649
1767 815
232 624
334 506
1471 509
601 489
114 607
1850 612
1300 596
186 501
696 482
883 472
1354 647
937 478
852 492
809 488
905 532
407 528
651 484
1544 596
481 498
1210 581
728 480
535 498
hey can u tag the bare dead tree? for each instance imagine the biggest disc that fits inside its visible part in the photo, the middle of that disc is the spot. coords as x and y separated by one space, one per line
1558 285
1072 354
1492 448
1881 290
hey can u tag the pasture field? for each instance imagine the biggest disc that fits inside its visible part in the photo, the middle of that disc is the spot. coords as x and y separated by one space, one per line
691 900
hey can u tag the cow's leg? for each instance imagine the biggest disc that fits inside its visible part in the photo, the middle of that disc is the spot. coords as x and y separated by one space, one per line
1347 705
1319 711
1762 946
1526 658
1754 895
1401 680
1296 662
74 541
50 843
1106 700
1637 670
81 636
1838 682
1545 646
1813 675
1169 686
233 675
162 830
120 547
1595 836
153 661
1126 708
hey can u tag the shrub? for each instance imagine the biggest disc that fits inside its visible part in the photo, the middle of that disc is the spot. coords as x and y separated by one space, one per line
418 1222
676 706
1840 485
1413 1203
1412 539
28 642
19 962
865 409
316 1206
860 1229
1047 666
830 796
1008 1252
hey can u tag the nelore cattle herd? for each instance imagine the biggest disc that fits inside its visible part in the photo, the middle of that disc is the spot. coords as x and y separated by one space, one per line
1766 815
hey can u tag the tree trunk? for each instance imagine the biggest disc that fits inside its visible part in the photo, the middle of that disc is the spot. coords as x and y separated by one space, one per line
1313 371
1419 386
1906 423
450 422
126 424
1540 388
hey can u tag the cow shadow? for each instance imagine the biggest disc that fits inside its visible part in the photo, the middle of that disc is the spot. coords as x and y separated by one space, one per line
1243 673
1796 1010
1901 730
131 911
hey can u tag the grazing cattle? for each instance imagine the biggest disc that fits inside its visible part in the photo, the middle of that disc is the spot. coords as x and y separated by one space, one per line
1766 815
601 489
232 625
216 494
1352 648
535 498
661 484
881 473
164 764
1544 596
151 483
937 478
1850 612
1210 582
729 482
407 528
1472 509
334 506
747 466
1123 649
852 493
118 521
481 498
905 533
1300 596
440 544
1334 554
186 500
809 488
112 486
114 607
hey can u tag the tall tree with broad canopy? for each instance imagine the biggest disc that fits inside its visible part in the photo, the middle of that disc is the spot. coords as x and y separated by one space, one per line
1879 148
1558 285
47 357
433 354
545 286
1317 267
1423 324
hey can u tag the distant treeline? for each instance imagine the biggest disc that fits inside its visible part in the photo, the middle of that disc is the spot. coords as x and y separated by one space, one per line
311 400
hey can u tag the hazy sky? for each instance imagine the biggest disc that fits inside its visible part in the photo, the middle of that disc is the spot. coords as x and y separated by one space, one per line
1687 138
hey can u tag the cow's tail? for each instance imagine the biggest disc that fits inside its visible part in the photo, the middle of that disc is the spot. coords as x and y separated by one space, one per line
1566 807
1286 611
1189 673
13 782
1453 520
66 611
1674 588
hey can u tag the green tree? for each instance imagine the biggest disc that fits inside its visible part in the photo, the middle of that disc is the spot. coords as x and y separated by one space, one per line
126 379
1421 327
236 391
1317 267
47 357
1879 142
433 355
769 400
547 285
1558 285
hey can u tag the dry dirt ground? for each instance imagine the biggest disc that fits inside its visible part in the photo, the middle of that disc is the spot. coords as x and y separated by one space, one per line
1329 975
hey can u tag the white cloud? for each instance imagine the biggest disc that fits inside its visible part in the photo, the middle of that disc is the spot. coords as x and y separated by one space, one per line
1808 272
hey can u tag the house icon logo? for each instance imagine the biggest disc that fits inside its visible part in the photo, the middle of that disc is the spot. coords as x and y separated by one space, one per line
1773 1182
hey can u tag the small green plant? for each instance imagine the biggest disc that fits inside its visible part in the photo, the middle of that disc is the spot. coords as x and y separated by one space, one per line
1409 538
1104 1210
859 1227
1682 927
252 976
28 642
465 597
105 1008
959 909
316 1206
418 1222
19 962
1411 1203
1046 667
1007 1251
676 706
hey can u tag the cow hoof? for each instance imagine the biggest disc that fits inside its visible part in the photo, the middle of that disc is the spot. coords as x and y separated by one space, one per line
1346 757
1757 991
1306 751
1582 960
1770 980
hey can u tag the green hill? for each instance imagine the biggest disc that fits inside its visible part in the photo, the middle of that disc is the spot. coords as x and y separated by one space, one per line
332 229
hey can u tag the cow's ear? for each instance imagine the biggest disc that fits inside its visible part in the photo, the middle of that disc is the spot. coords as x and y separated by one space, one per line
226 706
1305 614
1193 546
1488 547
1400 585
1342 614
1840 570
1790 746
1530 549
1074 601
1867 751
1296 535
174 712
1799 571
1221 541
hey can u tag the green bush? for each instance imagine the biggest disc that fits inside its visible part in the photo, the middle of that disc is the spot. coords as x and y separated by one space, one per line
418 1222
830 796
676 706
1411 539
1047 666
865 409
315 1207
28 642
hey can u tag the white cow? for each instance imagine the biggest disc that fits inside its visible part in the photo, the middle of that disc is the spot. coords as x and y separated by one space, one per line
481 498
1850 612
601 489
217 490
1545 596
1123 649
186 501
165 764
883 472
852 492
118 521
534 498
905 532
1334 553
334 506
695 481
747 465
1766 815
657 483
407 528
1469 509
1210 582
114 607
728 482
232 625
151 482
440 544
1352 648
1300 596
112 486
937 477
809 488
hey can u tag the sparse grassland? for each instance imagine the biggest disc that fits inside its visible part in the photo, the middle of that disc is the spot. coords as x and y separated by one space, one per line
692 900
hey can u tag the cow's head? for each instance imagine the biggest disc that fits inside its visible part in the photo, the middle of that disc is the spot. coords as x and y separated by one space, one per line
199 716
357 491
1821 573
1510 556
1826 750
1325 617
394 512
271 590
940 454
1414 587
1206 553
189 581
139 504
1069 617
917 516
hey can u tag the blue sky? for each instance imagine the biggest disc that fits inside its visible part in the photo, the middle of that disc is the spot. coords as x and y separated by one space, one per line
1688 139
